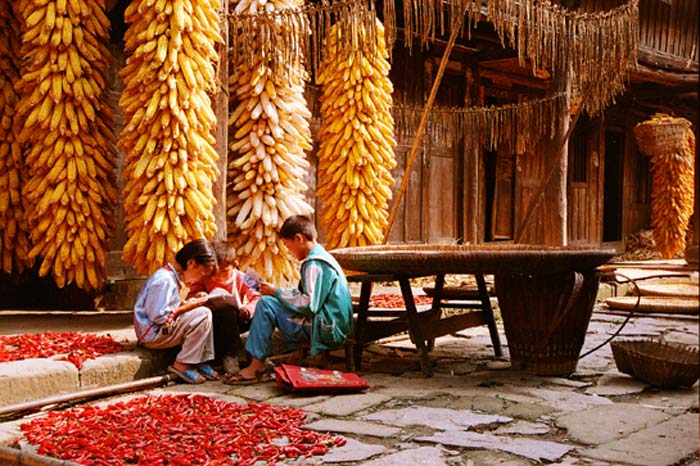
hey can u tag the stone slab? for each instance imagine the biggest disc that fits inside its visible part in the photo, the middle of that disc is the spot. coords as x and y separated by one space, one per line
534 449
435 418
353 450
344 405
664 444
353 427
423 456
603 424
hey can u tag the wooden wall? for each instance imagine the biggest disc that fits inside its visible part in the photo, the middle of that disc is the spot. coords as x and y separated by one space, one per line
670 27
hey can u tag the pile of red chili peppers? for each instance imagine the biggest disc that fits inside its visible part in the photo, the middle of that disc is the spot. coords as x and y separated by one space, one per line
394 301
177 430
74 347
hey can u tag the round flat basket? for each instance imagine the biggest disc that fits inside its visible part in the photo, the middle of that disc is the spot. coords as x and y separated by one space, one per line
460 259
658 304
676 290
657 362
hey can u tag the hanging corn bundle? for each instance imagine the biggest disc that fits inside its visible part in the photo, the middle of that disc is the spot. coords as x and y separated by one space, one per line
14 235
268 134
671 145
170 162
356 155
67 130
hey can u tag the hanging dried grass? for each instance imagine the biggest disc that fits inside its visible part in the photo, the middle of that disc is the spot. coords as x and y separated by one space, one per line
296 33
598 48
517 125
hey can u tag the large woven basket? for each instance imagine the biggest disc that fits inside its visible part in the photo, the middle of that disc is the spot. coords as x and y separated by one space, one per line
661 136
657 362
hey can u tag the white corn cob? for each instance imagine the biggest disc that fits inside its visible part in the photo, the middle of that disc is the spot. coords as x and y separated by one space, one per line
268 134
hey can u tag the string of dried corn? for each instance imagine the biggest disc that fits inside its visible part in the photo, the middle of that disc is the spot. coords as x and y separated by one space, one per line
170 161
67 130
356 152
305 27
268 134
670 142
14 230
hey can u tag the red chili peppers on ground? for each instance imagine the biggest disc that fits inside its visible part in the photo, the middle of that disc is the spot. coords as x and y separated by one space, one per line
177 429
394 301
74 347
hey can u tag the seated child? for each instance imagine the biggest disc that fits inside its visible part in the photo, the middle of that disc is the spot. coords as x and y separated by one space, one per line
163 319
232 301
318 311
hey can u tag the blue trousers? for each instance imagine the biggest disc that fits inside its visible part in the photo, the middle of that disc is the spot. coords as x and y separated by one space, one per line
271 313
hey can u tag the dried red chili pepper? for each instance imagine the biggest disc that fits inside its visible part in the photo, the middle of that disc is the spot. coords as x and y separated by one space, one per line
74 347
177 429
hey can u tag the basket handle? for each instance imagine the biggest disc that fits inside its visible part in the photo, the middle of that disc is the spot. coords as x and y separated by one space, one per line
576 287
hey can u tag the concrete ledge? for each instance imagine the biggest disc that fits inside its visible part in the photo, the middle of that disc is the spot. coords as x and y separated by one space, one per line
122 367
31 379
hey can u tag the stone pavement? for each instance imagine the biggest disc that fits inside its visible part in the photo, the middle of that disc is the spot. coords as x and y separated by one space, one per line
475 410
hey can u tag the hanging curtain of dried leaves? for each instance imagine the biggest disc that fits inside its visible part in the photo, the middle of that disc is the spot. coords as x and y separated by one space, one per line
283 33
597 48
524 123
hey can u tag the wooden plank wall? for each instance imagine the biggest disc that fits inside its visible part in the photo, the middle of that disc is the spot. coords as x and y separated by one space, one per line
670 27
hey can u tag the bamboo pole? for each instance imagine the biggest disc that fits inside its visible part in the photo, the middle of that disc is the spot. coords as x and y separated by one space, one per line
85 394
456 27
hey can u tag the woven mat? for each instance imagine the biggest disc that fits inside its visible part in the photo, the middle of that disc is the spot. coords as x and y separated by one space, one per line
678 290
657 304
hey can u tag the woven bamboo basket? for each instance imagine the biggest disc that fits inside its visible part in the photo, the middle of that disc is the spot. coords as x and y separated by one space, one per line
545 319
655 304
657 362
661 137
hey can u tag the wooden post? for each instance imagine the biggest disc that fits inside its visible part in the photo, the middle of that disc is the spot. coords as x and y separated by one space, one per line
472 162
555 189
220 104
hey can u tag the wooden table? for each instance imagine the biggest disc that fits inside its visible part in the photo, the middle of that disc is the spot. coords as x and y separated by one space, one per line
546 287
423 327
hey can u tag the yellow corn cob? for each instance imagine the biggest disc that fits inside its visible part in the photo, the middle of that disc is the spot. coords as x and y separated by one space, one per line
67 129
268 134
14 236
355 154
170 162
671 145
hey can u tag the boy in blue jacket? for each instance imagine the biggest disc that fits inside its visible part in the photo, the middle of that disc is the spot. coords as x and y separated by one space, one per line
319 311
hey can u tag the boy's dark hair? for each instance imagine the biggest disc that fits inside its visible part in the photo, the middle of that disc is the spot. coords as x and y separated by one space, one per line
298 224
225 253
200 250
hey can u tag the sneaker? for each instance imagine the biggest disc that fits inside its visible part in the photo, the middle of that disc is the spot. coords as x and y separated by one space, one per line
231 364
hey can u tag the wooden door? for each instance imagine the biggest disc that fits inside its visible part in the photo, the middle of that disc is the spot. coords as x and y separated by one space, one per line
584 193
502 206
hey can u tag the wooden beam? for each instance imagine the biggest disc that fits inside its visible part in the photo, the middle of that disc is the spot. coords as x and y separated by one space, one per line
651 57
667 78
